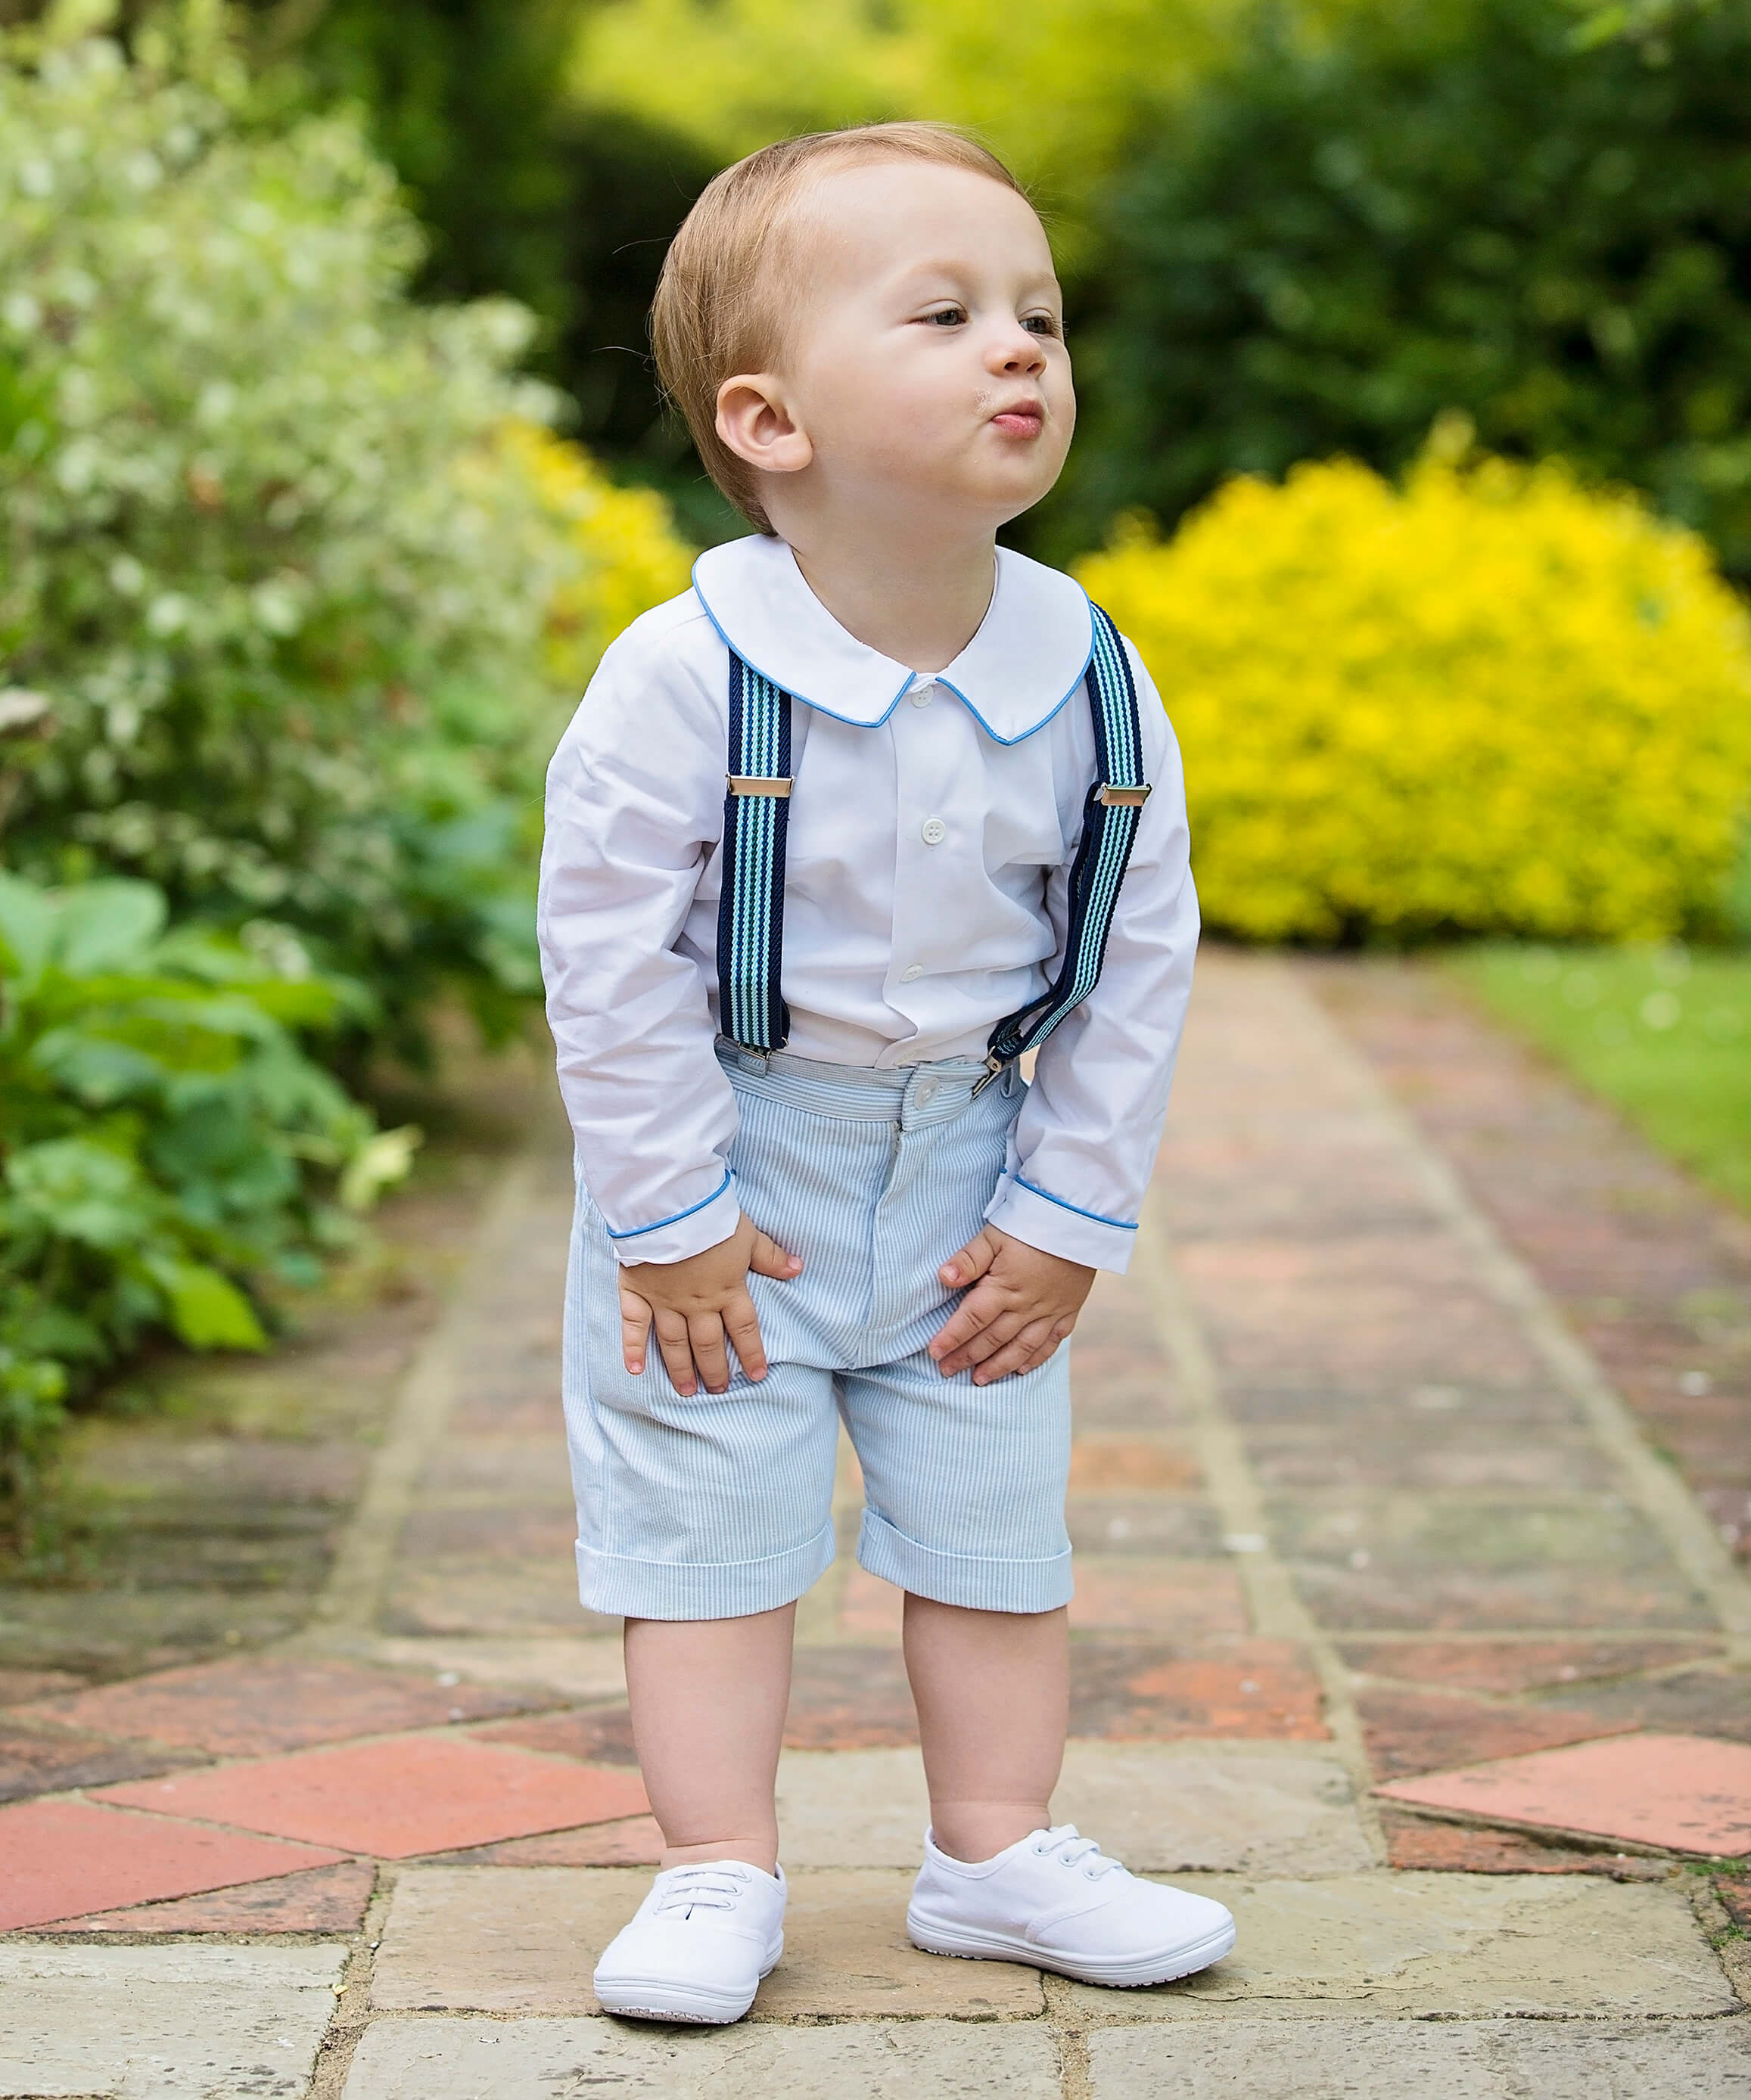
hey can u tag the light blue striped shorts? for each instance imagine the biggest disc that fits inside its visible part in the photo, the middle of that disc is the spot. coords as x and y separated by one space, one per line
718 1505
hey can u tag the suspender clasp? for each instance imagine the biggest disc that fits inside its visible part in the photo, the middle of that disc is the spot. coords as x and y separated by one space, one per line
751 783
993 1066
1123 798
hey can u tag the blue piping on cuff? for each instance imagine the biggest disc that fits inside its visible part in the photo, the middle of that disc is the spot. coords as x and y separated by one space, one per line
1118 1224
636 1232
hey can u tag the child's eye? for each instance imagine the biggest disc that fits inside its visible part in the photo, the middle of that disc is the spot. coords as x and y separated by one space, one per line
947 317
1040 323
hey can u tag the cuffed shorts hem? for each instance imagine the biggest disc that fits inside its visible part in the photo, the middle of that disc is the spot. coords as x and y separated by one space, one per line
622 1587
974 1581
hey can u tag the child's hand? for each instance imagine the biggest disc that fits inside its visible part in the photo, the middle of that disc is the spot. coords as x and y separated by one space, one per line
1023 1303
696 1304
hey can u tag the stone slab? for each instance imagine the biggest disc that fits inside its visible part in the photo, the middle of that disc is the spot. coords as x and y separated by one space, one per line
587 1664
1229 1689
1429 1945
523 1940
327 1900
555 2059
1686 1793
1343 2059
184 2022
1230 1806
1407 1729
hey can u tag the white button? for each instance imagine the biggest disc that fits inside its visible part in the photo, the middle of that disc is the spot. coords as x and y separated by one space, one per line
921 695
926 1094
912 975
934 832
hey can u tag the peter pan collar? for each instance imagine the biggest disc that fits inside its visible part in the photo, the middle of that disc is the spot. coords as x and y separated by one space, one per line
1029 657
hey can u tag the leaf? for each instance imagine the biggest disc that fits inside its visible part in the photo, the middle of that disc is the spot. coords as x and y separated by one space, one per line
207 1310
107 926
80 1190
27 927
378 1164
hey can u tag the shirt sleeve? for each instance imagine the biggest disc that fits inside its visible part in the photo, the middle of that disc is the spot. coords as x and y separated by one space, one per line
635 808
1085 1141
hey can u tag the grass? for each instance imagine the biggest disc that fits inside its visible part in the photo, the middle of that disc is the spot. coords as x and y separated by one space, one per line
1663 1034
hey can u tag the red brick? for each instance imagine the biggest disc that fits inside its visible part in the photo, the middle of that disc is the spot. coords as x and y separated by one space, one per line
1461 1848
849 1698
1514 1665
636 1843
1420 1731
1253 1691
248 1705
43 1760
394 1799
68 1859
1175 1600
593 1735
1128 1465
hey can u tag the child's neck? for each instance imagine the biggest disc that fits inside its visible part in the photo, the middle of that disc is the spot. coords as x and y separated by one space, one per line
916 598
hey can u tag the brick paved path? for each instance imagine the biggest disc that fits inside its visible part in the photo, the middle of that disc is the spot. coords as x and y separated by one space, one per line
1353 1504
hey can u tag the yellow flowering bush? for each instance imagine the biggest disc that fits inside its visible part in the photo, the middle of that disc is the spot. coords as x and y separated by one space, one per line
627 556
1490 701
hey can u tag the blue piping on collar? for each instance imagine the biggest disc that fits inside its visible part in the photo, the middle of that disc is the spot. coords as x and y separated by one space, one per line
854 721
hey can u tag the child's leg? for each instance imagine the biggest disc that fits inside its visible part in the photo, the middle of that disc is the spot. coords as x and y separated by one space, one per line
993 1691
708 1700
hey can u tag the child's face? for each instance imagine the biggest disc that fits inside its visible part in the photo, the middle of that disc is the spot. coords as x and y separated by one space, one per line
925 357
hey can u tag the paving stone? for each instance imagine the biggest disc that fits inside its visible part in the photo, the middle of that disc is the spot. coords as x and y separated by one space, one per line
1735 1893
45 1760
249 1705
1695 1702
495 1531
870 1609
518 1469
521 1941
1176 1525
485 1594
1430 1563
394 1799
1404 1442
185 2023
1412 1841
1415 1945
553 2059
1514 1665
638 1842
1418 1731
18 1685
593 1667
69 1859
1152 1805
594 1735
1686 1793
1129 1465
1174 1600
1242 1689
328 1899
849 1698
1347 2059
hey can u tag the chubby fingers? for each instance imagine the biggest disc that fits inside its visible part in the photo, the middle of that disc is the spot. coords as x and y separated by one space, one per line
741 1323
635 1330
767 1258
966 1266
675 1340
1024 1351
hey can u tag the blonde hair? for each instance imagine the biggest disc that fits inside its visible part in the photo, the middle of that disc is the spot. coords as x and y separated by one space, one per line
715 313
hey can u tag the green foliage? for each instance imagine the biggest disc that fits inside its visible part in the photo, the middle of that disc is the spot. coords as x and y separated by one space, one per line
268 557
166 1140
1442 204
1663 1033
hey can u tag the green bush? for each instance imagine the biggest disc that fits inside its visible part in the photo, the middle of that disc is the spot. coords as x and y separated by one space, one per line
166 1148
268 555
1438 204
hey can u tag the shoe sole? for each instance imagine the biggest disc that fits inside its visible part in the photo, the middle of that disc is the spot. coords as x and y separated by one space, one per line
971 1945
691 2004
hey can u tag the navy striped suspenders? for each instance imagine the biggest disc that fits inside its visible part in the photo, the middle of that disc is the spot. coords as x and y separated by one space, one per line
751 910
751 1010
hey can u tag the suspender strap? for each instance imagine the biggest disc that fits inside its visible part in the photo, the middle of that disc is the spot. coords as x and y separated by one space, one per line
751 910
1110 818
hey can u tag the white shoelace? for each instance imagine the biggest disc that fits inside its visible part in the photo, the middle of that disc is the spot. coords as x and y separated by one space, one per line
717 1885
1065 1843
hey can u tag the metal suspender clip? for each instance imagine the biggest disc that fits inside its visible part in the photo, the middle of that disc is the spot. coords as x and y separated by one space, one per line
994 1066
755 783
1123 798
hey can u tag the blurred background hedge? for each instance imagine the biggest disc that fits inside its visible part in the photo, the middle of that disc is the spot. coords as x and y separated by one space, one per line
331 455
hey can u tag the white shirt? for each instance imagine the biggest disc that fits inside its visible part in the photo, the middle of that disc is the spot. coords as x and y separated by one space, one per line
932 826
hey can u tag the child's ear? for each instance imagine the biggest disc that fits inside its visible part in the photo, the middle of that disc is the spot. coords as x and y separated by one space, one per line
755 422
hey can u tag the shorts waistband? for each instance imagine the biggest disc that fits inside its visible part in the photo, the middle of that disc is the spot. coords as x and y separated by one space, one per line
909 1094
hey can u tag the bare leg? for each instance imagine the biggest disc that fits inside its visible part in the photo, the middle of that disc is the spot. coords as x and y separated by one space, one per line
708 1716
992 1690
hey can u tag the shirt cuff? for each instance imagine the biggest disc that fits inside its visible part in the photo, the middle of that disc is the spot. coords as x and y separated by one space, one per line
688 1232
1055 1225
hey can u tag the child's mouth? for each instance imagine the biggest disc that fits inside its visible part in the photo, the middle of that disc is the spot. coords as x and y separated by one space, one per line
1018 422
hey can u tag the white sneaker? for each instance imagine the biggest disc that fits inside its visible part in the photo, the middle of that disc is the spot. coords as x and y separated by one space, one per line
1053 1901
698 1946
